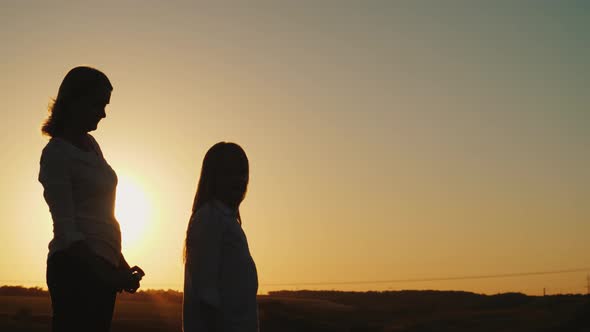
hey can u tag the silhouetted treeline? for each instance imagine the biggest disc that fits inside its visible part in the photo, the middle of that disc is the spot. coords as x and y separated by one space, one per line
152 295
427 300
22 291
143 295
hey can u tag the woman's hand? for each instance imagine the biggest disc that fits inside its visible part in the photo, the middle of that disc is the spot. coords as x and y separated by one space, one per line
126 280
136 273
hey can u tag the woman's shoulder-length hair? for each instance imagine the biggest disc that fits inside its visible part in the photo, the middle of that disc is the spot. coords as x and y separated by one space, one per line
78 83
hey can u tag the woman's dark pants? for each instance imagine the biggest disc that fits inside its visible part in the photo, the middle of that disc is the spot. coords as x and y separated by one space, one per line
80 302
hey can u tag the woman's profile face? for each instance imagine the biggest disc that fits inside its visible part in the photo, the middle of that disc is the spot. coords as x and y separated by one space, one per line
88 111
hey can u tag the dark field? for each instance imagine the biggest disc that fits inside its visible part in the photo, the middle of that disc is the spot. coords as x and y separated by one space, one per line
29 310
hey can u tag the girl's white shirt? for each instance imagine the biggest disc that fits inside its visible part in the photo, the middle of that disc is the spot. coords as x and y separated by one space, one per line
219 271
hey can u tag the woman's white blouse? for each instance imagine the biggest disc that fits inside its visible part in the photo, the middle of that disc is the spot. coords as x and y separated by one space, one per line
219 271
80 189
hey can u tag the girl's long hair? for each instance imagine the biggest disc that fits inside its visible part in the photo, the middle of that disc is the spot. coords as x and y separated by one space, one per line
212 168
78 83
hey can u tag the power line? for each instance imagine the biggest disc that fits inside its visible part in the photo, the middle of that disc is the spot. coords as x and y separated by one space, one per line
470 277
409 280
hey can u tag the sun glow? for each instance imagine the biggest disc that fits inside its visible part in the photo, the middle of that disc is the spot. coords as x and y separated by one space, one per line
132 211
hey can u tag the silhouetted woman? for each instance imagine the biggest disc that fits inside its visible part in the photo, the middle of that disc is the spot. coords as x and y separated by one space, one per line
220 280
85 266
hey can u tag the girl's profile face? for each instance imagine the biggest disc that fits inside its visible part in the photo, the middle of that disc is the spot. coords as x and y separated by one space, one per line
232 180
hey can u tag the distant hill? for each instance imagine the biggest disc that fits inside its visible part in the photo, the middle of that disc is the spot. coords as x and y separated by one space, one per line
432 311
28 309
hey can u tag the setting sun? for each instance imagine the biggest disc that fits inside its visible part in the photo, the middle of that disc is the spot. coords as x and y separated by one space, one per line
132 210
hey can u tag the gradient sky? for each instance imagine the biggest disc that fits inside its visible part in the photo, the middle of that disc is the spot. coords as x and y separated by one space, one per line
387 140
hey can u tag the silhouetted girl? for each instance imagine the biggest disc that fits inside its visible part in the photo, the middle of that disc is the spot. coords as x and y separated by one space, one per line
220 280
85 266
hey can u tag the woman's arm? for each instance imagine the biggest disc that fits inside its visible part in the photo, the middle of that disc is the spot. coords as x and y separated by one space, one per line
56 179
124 267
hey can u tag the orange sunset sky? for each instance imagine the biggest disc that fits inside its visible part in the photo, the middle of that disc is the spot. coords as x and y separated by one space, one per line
388 140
